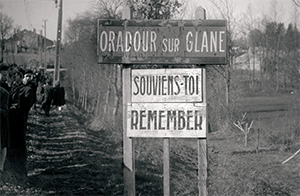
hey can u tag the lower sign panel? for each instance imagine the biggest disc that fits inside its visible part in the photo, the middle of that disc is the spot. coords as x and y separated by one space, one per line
166 120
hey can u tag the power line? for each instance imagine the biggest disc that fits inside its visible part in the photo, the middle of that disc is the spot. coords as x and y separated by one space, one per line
50 12
28 14
45 45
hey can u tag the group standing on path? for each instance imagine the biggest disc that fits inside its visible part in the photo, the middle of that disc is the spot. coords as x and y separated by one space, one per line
18 93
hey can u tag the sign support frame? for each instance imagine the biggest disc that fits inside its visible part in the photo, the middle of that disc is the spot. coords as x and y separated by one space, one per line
202 149
202 142
166 162
128 143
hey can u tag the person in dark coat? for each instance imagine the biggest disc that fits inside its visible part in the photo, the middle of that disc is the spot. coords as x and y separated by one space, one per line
26 102
15 117
47 91
58 96
4 98
34 85
22 94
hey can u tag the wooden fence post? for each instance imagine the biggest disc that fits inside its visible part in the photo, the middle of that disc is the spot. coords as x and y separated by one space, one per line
128 143
166 160
202 151
200 13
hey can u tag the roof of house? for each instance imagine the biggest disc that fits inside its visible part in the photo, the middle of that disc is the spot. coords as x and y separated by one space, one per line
24 32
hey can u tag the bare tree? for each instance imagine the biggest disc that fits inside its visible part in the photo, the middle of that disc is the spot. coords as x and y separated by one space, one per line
6 29
108 8
244 126
225 10
154 9
295 15
296 2
251 29
275 12
186 11
94 87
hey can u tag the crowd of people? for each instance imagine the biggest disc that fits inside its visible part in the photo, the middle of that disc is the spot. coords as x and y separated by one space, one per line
18 93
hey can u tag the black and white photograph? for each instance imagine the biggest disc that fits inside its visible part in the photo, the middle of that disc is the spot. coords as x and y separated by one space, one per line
150 97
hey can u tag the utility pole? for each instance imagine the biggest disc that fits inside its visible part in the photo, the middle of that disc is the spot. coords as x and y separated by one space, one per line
45 46
58 41
41 50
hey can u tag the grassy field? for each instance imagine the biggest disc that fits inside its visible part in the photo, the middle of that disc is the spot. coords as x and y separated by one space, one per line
238 170
233 169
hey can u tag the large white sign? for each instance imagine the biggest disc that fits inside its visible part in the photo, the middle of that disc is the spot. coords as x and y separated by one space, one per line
166 103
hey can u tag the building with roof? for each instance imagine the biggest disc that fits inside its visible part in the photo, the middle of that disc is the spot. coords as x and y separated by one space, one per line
28 48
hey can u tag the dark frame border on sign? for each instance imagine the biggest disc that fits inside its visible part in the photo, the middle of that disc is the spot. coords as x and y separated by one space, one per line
162 42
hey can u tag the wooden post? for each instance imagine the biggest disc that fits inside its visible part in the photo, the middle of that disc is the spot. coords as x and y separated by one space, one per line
202 151
166 159
58 42
45 46
257 146
128 144
41 50
201 142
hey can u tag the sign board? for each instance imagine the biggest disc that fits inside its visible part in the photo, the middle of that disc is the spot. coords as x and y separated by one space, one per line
166 103
162 42
171 120
166 85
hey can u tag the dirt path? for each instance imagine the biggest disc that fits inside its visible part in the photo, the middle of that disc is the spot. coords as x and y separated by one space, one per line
66 158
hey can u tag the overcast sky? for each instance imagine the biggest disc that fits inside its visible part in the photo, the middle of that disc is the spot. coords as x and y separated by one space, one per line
30 14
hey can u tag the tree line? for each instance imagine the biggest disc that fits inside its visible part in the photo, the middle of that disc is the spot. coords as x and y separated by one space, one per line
267 44
277 50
